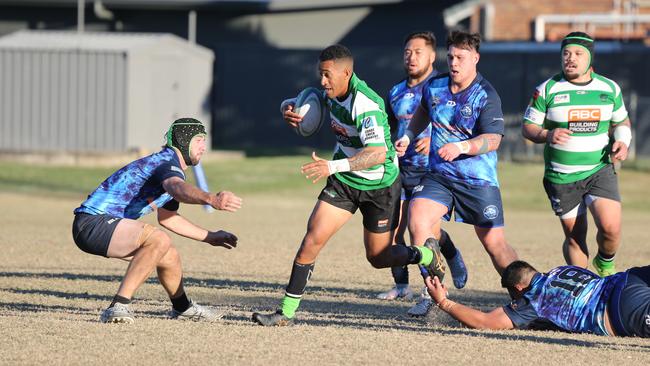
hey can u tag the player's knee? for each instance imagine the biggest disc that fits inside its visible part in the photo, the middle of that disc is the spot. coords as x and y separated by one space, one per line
311 241
376 261
610 231
159 241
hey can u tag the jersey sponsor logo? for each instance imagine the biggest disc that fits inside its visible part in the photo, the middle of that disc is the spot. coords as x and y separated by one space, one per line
647 320
409 96
604 97
581 92
584 114
466 111
382 223
371 134
451 103
584 120
561 98
529 113
491 212
435 100
368 122
338 129
111 221
340 132
329 192
418 188
583 127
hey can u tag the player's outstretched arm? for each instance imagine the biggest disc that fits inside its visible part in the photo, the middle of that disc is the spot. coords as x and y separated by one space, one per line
320 168
187 193
178 224
495 319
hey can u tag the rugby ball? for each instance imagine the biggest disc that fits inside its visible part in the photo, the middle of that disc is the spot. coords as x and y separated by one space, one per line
311 106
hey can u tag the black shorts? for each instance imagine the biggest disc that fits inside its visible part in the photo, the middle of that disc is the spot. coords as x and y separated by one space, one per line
379 207
93 233
630 304
566 197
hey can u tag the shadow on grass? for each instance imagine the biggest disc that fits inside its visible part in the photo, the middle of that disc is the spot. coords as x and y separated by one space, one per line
333 311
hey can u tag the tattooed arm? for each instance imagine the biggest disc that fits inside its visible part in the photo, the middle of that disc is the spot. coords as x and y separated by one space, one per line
320 168
478 145
367 157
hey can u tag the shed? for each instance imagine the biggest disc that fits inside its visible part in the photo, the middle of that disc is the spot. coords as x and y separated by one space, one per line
98 92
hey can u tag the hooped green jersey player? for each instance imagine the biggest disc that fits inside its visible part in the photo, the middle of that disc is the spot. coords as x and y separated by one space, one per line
358 121
587 111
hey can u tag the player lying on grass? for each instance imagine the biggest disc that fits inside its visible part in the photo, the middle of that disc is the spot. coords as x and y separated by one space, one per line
568 297
106 223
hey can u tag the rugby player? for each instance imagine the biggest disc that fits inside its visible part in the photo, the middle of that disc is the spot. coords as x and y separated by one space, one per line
568 298
580 117
106 224
362 175
467 127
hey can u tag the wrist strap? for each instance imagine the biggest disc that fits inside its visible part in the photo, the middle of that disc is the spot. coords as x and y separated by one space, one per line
623 134
463 146
338 166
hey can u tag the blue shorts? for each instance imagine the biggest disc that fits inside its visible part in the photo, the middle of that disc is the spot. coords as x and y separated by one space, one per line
475 205
632 300
411 176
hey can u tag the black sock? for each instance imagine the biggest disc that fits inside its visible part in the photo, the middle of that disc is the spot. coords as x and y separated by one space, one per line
120 299
606 257
300 274
447 247
400 275
181 303
415 256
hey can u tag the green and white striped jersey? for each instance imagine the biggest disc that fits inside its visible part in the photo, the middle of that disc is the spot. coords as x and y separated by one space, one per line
359 121
587 110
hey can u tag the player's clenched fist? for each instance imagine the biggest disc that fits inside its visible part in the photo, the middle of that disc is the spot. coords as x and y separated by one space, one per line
401 145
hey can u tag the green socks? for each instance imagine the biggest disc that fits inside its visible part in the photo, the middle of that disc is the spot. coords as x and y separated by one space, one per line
604 267
289 306
427 255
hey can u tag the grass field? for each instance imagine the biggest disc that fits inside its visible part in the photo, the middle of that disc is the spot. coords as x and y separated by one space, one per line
51 293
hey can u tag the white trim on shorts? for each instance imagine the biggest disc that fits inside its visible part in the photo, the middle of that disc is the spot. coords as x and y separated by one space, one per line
581 208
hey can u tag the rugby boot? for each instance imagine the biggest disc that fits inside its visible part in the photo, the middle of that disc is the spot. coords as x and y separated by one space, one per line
197 313
276 319
118 313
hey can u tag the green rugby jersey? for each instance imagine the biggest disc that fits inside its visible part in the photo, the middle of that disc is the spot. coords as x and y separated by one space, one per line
587 110
359 121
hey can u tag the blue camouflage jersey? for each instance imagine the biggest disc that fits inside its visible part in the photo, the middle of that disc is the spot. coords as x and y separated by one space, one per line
136 189
572 298
456 117
402 103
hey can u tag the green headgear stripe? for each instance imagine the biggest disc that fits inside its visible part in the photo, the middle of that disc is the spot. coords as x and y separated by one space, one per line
580 38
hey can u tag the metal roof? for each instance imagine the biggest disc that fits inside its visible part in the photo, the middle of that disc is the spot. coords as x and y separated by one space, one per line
95 41
270 5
